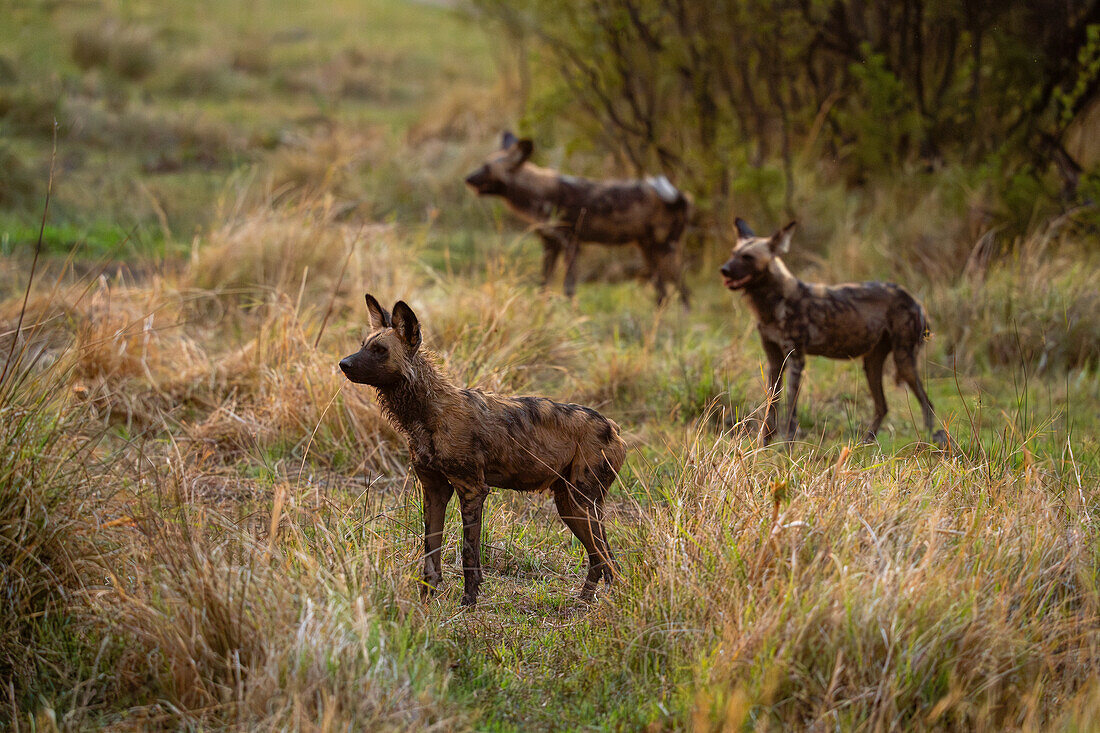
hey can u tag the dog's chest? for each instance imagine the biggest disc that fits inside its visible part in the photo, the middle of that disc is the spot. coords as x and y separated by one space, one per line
784 325
436 453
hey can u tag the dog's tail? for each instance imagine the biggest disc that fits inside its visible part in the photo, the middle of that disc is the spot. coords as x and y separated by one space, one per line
678 202
925 326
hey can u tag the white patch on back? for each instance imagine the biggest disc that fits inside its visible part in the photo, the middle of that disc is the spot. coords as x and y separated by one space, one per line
664 188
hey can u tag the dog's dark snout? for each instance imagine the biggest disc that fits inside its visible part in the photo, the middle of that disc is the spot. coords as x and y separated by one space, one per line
478 178
345 364
726 270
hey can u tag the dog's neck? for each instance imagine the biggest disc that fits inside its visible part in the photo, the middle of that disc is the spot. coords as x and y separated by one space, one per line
417 402
773 286
533 191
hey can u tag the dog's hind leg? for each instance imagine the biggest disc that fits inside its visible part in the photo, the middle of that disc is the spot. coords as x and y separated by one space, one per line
656 266
551 250
669 265
906 362
872 367
685 294
582 515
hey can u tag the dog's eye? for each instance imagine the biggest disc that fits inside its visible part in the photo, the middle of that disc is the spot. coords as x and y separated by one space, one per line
378 348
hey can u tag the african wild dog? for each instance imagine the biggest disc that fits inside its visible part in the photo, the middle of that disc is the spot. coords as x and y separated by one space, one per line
872 320
465 440
566 211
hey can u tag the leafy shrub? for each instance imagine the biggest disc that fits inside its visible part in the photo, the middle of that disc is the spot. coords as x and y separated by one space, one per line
9 74
881 96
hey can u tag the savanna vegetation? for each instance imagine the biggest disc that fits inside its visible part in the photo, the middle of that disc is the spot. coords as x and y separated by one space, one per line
204 525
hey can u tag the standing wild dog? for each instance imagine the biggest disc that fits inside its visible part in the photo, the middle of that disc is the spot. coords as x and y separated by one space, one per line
566 210
465 440
871 320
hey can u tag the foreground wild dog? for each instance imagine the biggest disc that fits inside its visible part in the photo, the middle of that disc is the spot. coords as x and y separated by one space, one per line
464 441
872 320
566 211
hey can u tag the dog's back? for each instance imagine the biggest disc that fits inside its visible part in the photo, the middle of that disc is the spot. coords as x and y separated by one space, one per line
528 443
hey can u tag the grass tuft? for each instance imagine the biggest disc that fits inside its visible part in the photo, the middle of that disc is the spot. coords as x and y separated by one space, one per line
127 49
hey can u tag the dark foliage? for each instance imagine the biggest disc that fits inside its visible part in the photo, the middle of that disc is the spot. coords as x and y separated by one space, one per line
702 89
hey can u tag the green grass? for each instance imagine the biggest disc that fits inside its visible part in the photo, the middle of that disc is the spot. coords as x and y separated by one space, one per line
158 163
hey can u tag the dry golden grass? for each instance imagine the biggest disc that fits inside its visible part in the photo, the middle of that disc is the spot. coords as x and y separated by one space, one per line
206 526
299 251
971 588
231 566
229 627
467 114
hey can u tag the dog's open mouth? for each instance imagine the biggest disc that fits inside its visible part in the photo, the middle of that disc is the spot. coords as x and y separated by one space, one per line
732 284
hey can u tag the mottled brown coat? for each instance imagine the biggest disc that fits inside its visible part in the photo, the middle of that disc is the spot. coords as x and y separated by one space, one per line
566 211
871 320
463 441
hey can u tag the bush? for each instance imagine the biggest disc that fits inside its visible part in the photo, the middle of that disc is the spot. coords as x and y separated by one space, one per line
31 110
9 74
91 46
129 51
44 547
1039 308
17 183
253 56
276 250
201 73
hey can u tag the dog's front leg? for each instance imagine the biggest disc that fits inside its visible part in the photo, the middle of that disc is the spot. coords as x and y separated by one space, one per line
437 494
471 497
551 249
776 364
572 249
796 361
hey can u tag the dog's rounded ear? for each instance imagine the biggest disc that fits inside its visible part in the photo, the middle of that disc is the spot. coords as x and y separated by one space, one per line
744 231
781 240
379 316
507 140
406 325
526 147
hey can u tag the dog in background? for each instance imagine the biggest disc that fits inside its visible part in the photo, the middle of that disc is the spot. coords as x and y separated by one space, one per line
795 319
566 211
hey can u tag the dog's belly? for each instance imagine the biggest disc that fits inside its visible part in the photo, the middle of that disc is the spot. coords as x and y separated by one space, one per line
839 351
519 483
797 335
847 341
